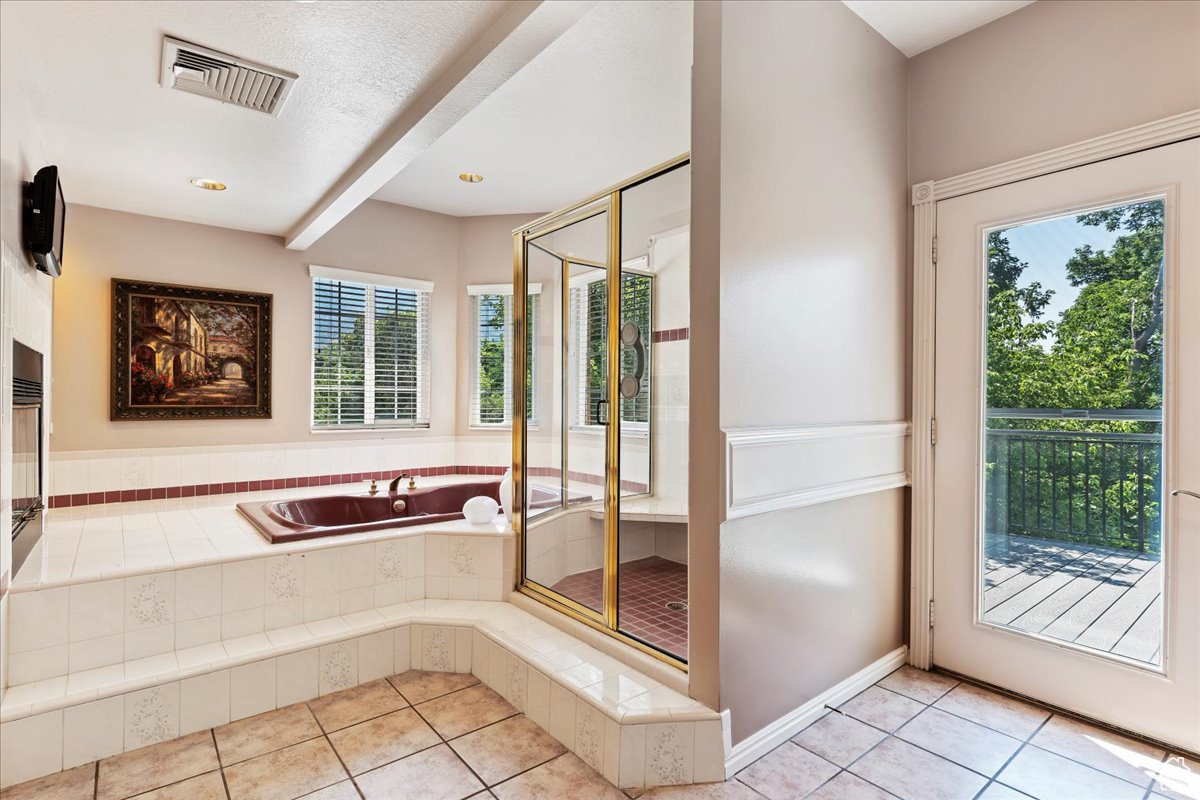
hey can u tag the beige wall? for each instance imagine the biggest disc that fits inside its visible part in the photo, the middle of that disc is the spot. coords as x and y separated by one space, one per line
103 244
813 187
1049 75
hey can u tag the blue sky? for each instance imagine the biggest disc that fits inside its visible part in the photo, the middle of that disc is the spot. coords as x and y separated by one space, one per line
1047 246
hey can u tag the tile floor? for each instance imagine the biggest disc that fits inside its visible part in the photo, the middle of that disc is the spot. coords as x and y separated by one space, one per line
441 736
647 585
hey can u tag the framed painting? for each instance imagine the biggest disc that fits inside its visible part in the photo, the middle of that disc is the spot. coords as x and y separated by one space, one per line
183 352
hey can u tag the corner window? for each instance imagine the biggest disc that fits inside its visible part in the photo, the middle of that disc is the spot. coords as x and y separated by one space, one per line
589 301
492 358
370 343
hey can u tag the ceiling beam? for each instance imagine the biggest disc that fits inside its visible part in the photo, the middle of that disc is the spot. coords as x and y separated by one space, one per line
511 42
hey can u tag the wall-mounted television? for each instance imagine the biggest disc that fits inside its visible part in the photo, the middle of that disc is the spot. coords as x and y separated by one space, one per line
45 220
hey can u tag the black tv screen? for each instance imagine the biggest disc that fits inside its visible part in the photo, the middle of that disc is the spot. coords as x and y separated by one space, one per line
45 220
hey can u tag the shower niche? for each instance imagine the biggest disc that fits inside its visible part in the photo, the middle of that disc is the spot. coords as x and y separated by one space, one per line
600 444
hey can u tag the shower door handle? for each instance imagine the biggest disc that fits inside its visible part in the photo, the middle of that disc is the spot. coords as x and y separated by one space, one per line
601 420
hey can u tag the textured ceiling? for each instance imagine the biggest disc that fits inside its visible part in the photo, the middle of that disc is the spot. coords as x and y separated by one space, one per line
121 141
608 99
914 26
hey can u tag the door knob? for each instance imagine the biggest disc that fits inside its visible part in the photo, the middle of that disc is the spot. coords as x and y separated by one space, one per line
1177 492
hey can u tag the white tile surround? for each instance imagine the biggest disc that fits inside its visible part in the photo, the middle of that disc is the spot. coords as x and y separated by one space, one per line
133 623
95 471
633 730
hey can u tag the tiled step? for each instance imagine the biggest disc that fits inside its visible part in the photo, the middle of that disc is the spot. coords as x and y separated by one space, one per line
139 617
633 730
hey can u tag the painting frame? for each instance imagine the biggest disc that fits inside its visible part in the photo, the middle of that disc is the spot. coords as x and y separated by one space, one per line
133 348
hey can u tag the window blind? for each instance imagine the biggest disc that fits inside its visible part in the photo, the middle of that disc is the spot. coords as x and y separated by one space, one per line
370 355
589 303
492 364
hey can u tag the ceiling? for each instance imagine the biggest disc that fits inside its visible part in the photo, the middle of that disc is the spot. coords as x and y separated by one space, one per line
606 100
122 141
914 26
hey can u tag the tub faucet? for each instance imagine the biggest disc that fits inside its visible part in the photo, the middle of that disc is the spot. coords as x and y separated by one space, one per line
394 485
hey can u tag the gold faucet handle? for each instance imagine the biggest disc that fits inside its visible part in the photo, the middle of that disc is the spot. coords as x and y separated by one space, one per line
412 482
374 488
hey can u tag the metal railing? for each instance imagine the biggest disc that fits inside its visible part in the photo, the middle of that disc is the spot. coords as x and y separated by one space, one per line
1101 488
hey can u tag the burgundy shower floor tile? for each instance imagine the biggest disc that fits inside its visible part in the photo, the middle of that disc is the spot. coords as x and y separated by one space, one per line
646 587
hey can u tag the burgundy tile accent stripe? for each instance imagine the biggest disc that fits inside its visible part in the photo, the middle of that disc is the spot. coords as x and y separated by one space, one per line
646 586
671 335
205 489
586 477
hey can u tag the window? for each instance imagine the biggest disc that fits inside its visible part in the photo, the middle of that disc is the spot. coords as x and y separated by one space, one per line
588 305
492 359
370 350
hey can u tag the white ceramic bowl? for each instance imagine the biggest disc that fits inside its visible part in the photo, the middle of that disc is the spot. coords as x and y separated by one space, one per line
479 510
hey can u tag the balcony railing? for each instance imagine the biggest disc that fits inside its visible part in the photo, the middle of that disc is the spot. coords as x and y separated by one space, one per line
1094 487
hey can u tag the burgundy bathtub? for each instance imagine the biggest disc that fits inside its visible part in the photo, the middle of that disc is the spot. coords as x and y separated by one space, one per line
334 515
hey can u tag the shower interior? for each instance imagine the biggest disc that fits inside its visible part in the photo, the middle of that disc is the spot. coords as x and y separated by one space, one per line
609 439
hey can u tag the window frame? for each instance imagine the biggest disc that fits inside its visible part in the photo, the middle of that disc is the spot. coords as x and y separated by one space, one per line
373 281
474 291
635 266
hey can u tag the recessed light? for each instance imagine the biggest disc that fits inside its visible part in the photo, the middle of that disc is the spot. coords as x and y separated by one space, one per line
470 177
208 183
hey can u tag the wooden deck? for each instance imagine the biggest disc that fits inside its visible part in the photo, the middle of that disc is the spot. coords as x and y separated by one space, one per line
1097 597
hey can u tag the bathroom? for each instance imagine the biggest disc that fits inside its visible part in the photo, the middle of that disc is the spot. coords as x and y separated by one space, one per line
529 400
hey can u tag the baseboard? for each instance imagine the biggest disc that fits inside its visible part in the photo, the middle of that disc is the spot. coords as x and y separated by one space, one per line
767 739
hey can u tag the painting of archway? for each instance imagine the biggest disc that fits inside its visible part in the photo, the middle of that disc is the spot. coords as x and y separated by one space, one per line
188 352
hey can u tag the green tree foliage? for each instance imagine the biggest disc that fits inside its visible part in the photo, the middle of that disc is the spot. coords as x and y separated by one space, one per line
1103 352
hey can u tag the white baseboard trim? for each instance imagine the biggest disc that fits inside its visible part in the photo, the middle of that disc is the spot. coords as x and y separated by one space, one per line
767 739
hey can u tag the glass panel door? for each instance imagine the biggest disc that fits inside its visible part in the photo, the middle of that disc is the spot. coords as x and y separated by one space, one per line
566 451
1073 436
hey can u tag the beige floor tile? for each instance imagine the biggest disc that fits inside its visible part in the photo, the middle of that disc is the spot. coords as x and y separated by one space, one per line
78 783
1178 778
155 766
497 752
454 714
285 774
787 772
356 704
729 790
838 738
882 708
1004 714
998 791
912 774
846 786
1106 751
273 730
433 774
564 778
960 740
418 686
339 791
1045 775
378 741
209 786
918 684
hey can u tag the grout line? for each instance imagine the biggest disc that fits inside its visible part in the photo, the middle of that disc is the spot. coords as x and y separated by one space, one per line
1013 757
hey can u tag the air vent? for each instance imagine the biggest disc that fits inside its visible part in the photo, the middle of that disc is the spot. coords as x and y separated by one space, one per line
208 73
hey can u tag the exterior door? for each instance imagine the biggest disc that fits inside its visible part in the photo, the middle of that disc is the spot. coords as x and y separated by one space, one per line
1067 414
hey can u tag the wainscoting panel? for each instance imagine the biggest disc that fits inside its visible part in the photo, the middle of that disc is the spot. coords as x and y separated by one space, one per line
770 469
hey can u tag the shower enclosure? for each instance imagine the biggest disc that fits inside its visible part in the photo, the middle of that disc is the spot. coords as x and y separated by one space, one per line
600 442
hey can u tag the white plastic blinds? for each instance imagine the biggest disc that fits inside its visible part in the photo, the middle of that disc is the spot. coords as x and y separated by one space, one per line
370 355
492 364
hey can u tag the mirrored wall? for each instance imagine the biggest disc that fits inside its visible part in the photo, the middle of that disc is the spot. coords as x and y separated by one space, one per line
602 453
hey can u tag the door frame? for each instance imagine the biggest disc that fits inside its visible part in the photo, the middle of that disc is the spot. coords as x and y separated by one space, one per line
924 201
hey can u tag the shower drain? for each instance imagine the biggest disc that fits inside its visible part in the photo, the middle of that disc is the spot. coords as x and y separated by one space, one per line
676 606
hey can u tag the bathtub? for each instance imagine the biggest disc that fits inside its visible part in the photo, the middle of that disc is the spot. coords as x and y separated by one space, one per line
334 515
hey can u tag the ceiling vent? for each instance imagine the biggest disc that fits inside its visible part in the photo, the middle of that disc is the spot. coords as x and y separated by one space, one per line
221 76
